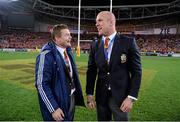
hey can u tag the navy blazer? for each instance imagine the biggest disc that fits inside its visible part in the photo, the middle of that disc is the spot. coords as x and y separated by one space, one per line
123 73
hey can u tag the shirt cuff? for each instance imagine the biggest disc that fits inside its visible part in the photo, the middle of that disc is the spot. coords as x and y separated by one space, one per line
132 97
89 95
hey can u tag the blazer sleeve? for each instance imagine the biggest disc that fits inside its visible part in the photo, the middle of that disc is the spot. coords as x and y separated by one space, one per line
91 70
44 80
135 68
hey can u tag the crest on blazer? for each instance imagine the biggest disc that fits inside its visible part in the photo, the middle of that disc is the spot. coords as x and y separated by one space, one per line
123 58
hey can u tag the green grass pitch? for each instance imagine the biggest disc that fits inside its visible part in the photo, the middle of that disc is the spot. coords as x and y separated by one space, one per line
159 97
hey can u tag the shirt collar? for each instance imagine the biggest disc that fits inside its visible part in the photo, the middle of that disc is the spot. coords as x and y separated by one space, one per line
61 50
111 36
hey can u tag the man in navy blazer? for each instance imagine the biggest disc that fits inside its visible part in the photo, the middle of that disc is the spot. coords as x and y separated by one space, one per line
115 61
57 81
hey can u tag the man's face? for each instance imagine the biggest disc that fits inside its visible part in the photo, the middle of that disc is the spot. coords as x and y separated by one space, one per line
102 24
65 39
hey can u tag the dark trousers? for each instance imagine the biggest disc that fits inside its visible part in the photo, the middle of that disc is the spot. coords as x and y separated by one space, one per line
71 108
104 113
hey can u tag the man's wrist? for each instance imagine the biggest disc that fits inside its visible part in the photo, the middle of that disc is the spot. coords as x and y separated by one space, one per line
133 99
89 98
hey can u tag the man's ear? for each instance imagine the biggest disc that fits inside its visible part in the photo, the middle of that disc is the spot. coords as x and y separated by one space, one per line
111 23
56 38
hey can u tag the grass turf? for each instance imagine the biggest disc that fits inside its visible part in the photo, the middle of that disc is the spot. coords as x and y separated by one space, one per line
159 95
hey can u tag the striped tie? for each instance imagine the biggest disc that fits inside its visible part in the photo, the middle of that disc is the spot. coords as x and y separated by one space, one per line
66 60
106 48
106 43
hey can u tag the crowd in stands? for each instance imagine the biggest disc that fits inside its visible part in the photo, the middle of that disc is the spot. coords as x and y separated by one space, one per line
23 39
34 40
159 43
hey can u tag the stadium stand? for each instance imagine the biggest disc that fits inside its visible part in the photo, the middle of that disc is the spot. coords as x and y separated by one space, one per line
157 32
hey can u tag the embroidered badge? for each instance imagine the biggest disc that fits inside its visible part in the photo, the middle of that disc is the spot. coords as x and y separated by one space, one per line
123 58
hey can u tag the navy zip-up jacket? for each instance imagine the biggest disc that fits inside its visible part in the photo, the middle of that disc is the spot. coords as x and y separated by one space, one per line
51 81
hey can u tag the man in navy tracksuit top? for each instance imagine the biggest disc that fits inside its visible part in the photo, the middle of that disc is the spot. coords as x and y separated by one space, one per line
57 81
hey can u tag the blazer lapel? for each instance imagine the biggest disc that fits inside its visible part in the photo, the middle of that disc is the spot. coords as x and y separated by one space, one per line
100 57
100 54
71 60
114 50
74 68
67 70
64 65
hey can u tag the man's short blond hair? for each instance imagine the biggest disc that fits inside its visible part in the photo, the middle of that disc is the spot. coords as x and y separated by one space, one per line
56 31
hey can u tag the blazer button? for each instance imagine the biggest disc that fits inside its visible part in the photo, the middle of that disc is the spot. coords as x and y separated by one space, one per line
108 73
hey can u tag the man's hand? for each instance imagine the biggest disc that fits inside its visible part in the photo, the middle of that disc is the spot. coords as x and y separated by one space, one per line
90 102
58 115
127 104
